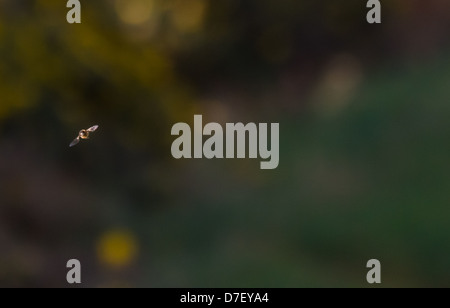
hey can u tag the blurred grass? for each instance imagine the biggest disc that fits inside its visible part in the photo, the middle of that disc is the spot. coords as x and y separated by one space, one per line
369 182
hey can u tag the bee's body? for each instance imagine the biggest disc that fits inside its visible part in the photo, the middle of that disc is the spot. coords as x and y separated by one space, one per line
83 134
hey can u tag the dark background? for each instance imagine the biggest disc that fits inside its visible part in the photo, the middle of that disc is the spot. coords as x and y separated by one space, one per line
363 112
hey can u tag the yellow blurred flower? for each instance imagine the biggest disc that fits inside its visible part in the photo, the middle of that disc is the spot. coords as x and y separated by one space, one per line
117 248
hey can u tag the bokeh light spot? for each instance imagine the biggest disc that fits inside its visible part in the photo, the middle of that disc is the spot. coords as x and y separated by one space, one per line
188 16
134 12
117 248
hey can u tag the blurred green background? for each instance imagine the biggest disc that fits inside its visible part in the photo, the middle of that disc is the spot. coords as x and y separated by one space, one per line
363 112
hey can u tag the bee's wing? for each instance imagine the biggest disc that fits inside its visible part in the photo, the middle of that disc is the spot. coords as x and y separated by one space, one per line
92 129
75 142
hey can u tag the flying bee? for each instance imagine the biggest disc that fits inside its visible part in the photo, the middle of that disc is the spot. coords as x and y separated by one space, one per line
83 134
